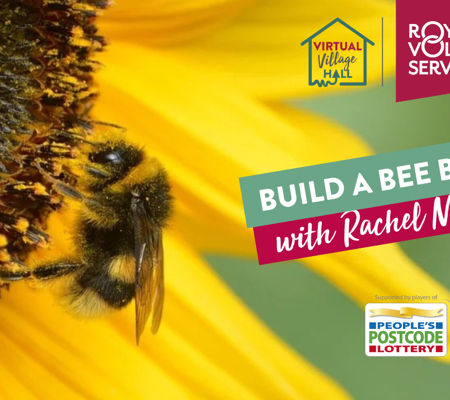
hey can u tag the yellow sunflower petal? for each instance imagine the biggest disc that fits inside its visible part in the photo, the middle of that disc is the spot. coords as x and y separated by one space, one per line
57 356
205 314
209 345
167 22
260 49
207 145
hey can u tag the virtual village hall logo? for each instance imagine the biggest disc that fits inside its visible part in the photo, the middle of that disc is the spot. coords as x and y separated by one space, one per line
332 60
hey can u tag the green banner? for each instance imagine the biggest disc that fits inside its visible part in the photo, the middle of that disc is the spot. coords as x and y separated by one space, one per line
346 185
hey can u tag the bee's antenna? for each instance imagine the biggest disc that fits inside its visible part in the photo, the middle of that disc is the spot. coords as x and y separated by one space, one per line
97 172
66 189
59 186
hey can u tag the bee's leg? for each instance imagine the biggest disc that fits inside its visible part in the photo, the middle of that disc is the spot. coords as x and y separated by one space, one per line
55 270
17 271
13 271
43 272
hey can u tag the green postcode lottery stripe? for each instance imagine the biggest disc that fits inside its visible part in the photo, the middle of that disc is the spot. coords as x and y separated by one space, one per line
427 181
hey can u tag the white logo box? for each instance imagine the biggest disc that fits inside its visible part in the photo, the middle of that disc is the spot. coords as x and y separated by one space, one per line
397 337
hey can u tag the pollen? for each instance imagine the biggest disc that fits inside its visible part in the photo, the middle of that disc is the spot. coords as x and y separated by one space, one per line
40 189
3 241
46 93
4 256
21 225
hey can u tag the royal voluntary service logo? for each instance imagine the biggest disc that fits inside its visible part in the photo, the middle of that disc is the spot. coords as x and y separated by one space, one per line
334 60
423 48
406 329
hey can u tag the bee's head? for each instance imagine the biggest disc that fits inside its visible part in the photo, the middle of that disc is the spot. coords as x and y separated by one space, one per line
110 162
121 173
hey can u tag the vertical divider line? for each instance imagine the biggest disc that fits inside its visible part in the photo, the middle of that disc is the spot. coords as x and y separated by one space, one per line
382 51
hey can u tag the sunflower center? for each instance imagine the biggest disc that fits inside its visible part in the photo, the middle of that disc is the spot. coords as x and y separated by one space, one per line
46 92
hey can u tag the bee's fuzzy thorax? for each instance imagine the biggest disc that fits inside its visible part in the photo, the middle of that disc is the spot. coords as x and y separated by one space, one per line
46 92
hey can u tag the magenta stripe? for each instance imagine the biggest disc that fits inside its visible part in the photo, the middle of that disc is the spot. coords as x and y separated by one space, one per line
415 219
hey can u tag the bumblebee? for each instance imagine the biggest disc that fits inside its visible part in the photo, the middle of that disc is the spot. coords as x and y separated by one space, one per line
124 202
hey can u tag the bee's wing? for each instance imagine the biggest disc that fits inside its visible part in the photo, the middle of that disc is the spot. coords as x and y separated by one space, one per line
149 280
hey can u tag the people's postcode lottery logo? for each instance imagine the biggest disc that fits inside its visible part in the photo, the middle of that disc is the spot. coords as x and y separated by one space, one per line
406 329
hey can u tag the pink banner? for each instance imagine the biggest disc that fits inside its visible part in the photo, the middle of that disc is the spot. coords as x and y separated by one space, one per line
352 230
423 48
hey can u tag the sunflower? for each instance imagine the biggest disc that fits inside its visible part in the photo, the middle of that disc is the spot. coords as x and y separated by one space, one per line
200 84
